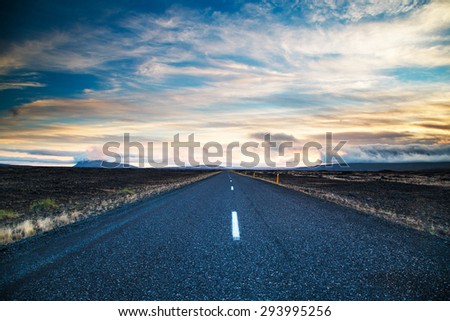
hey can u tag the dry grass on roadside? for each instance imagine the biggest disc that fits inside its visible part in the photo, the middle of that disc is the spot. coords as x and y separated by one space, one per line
47 213
22 230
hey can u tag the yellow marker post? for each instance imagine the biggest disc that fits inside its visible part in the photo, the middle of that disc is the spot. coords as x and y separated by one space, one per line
278 178
254 174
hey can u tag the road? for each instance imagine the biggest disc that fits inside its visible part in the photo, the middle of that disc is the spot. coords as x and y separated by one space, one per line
188 244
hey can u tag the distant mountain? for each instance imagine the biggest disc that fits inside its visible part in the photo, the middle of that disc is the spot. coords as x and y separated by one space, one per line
101 164
415 166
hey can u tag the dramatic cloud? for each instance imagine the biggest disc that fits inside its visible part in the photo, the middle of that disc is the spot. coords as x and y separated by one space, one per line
19 85
440 126
368 71
277 137
92 153
35 161
355 10
398 153
43 152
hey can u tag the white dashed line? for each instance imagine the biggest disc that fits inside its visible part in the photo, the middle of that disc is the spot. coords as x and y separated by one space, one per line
235 226
232 188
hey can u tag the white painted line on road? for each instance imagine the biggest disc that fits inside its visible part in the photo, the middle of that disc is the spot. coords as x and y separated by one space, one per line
232 188
235 226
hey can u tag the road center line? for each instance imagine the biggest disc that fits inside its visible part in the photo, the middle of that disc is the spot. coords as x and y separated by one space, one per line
232 188
235 226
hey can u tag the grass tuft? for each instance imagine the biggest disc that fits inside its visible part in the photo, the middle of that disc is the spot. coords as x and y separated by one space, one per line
45 224
125 191
27 228
43 205
6 235
6 214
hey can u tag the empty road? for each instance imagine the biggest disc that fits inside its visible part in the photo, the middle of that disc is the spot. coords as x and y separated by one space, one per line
228 237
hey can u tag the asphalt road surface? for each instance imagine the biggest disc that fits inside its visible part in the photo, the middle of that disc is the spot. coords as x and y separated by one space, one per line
188 244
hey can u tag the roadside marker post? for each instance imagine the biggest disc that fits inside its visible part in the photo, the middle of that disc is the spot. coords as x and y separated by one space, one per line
278 178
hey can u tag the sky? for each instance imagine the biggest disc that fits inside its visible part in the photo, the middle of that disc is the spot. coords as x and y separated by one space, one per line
76 75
